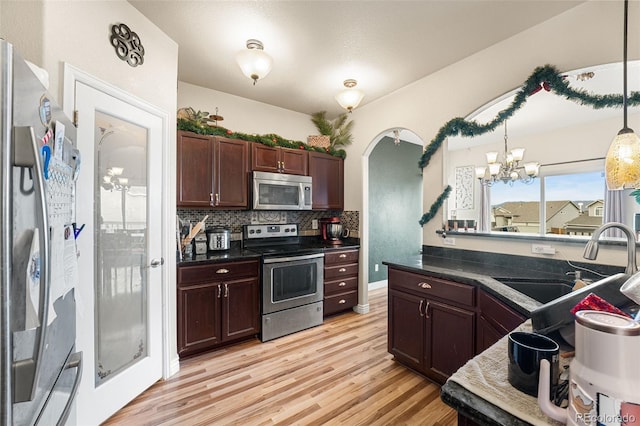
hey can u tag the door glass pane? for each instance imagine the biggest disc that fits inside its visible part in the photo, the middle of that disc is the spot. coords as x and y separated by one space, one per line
120 253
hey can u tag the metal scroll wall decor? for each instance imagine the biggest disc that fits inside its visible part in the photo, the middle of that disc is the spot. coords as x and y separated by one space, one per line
127 44
546 78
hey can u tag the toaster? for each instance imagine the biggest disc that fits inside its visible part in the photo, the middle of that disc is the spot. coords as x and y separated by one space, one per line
218 239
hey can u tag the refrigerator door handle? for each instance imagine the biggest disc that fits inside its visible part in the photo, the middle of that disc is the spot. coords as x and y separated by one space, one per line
75 361
26 154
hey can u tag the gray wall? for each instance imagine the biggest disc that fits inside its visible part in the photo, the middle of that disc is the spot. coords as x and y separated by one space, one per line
395 204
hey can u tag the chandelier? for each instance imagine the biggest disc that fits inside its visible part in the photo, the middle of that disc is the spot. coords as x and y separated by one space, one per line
510 170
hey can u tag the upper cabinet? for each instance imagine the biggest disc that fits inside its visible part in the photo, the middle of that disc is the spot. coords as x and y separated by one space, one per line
212 172
327 172
279 160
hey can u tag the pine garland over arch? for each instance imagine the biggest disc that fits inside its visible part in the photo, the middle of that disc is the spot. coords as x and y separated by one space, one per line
546 77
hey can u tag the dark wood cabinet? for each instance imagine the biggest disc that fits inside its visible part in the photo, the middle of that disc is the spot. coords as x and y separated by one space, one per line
194 170
431 323
218 303
495 320
279 160
340 280
212 172
327 172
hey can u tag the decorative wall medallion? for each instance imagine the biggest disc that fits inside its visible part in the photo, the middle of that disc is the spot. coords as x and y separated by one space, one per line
128 45
464 187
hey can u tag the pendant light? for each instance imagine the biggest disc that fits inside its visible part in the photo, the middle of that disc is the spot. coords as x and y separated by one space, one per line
622 164
253 61
350 97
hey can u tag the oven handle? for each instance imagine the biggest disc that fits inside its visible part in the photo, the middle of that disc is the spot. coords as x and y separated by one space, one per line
292 258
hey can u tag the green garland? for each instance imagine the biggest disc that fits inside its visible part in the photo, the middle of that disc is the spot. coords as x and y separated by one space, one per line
547 78
435 206
269 139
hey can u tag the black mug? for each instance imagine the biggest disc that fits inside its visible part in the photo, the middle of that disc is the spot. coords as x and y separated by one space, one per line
525 352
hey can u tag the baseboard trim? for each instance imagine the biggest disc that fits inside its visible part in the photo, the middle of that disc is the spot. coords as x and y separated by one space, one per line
377 284
361 309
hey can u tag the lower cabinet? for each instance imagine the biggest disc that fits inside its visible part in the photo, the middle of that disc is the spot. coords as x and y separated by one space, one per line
495 320
218 303
340 280
431 323
436 325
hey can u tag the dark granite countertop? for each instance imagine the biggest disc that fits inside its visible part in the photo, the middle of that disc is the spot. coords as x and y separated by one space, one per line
236 252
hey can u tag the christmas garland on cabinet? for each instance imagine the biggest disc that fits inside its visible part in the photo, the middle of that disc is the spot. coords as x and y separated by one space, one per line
546 77
269 139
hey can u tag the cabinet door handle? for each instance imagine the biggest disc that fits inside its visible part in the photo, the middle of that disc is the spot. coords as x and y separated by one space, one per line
343 255
226 290
420 308
342 301
424 285
211 198
219 291
217 199
222 271
342 284
282 166
342 270
426 310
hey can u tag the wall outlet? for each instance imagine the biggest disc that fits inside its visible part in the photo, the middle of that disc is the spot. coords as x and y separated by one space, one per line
542 249
376 267
314 224
449 241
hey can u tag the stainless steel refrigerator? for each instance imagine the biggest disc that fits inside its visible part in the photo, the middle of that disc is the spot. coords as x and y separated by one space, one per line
39 368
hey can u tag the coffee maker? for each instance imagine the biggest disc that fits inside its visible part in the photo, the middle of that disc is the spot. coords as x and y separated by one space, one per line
331 229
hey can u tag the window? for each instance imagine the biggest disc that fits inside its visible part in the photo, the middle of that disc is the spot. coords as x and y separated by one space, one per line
570 203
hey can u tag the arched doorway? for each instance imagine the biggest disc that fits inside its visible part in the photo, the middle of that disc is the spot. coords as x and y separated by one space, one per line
392 204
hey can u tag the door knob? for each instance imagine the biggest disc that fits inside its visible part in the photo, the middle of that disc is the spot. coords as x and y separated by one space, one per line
156 262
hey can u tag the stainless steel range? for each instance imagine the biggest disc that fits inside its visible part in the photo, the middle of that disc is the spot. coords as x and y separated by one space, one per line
292 279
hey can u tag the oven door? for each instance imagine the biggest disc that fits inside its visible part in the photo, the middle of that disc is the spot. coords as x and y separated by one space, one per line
288 282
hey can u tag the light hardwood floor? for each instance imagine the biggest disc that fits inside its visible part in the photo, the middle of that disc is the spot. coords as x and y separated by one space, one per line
337 373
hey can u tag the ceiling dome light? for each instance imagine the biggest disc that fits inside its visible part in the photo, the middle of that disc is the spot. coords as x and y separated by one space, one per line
254 62
349 98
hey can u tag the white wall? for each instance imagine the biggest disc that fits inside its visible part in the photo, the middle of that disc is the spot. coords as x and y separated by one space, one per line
585 35
50 32
245 115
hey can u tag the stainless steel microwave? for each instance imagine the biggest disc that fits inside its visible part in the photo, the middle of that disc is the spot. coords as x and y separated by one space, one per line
278 191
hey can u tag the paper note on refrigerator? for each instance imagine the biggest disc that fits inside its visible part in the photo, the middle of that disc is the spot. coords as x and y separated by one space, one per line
33 283
70 260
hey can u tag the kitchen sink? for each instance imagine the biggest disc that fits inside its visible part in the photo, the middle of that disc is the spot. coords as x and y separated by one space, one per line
541 289
556 314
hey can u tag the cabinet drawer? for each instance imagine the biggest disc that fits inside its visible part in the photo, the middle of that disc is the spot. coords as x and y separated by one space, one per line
340 302
340 271
337 257
427 286
226 271
340 286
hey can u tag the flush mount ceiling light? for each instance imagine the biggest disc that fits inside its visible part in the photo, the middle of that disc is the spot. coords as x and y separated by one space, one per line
509 170
254 62
622 164
350 97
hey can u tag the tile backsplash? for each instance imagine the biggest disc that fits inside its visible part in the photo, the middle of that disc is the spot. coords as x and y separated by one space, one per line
234 219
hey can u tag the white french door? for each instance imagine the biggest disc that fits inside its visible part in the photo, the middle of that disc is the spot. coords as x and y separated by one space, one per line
119 202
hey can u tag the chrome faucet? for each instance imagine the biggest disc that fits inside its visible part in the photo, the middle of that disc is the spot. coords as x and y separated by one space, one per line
591 249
